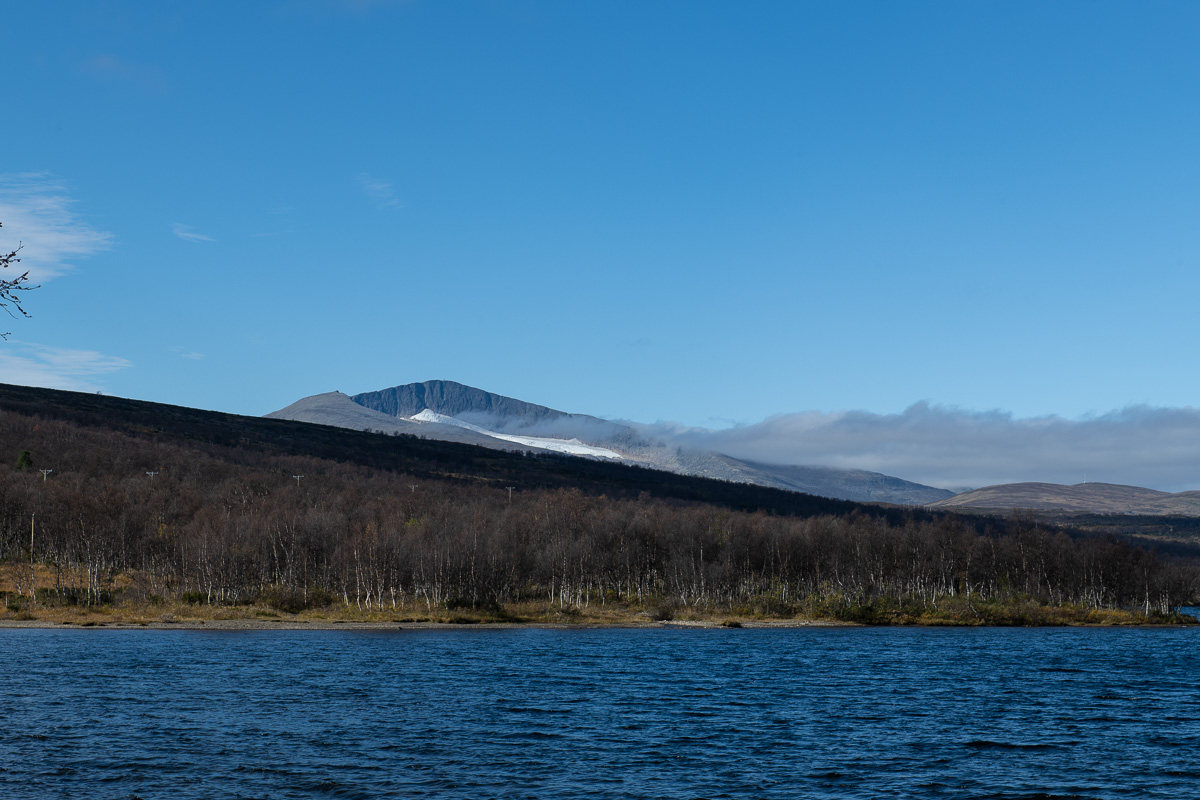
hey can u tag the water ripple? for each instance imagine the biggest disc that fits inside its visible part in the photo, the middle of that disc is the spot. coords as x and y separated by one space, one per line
527 713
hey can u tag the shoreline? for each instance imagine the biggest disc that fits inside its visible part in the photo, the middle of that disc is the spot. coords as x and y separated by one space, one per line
528 614
353 625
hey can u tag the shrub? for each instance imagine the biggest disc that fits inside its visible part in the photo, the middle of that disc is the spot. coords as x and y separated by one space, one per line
663 611
466 604
293 601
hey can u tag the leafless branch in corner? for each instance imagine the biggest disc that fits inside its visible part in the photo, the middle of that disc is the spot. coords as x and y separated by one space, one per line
10 300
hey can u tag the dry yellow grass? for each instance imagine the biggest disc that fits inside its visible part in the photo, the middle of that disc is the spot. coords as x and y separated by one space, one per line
167 614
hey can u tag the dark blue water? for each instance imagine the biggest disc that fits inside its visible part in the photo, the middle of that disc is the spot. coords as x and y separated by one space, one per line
528 713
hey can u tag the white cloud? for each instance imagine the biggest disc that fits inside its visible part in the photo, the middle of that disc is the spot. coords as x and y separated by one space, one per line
954 448
36 212
379 190
186 233
29 364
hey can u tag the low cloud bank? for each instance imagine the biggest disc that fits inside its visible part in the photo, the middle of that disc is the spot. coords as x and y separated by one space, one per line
1158 448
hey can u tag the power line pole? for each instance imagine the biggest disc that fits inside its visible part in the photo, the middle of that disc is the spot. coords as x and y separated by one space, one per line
297 477
151 474
510 488
45 472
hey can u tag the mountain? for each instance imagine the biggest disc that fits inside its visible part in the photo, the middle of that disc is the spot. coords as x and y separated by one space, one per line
454 412
1082 498
49 423
340 411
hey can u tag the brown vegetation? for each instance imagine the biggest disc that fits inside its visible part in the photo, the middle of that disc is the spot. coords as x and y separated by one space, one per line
221 529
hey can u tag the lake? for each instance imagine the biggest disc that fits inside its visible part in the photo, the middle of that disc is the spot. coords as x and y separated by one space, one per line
608 713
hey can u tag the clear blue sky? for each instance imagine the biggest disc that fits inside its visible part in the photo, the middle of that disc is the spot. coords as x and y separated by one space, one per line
690 211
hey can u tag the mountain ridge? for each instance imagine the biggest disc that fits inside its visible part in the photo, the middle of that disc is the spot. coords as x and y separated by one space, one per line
393 409
487 409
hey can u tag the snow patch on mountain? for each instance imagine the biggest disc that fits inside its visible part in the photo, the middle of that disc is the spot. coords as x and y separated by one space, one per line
571 446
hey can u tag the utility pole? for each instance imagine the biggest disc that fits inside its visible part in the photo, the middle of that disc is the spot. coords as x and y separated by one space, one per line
45 472
297 477
510 488
151 474
413 487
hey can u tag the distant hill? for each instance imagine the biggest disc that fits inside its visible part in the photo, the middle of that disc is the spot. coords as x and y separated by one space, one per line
1082 498
491 420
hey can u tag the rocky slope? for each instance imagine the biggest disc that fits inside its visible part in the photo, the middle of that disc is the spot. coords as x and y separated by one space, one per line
845 483
392 410
338 410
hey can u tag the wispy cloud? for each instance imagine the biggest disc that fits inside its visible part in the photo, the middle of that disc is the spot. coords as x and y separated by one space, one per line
954 448
379 190
188 234
36 212
55 367
146 77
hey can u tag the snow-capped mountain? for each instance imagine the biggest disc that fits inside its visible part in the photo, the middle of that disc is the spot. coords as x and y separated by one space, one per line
454 412
571 446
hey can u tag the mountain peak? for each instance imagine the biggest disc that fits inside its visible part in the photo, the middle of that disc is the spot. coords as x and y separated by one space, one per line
452 399
451 410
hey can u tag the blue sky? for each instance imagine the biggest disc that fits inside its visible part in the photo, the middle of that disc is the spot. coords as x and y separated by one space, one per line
703 213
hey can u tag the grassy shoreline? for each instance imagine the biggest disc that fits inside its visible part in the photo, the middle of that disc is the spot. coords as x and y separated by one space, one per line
953 613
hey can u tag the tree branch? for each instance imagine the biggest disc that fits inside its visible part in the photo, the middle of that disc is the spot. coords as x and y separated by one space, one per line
10 301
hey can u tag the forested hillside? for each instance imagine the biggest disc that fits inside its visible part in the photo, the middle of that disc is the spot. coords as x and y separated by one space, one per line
158 505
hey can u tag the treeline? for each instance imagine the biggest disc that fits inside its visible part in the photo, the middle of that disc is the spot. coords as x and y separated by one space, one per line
123 516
